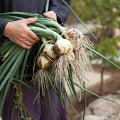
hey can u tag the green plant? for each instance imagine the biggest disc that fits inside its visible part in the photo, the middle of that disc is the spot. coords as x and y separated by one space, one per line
17 61
105 14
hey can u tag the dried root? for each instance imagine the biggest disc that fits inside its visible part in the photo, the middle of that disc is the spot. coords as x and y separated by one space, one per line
42 78
76 59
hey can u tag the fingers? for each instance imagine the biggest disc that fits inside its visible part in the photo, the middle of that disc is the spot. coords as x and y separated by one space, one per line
30 37
24 44
19 33
30 20
50 14
33 35
27 41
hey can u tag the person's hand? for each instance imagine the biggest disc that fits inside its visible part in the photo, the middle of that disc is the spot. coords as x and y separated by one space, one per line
19 33
50 14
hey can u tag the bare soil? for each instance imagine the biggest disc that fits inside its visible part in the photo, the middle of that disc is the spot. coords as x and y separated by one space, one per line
111 85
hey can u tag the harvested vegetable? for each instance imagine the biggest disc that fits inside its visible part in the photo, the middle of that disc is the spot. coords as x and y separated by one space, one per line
62 47
62 54
49 52
43 62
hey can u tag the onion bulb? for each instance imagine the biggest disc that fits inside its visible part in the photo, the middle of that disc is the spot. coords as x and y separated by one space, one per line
74 36
63 47
43 62
48 51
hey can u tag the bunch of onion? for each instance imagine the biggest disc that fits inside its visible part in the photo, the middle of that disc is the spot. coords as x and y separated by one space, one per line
61 55
56 57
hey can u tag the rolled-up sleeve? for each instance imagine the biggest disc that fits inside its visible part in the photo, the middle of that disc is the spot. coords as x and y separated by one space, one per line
2 27
60 9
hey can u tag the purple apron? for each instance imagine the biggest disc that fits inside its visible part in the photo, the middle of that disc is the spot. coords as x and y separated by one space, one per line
39 109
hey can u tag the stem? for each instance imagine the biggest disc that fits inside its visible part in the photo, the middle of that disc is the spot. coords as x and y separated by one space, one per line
20 13
9 52
47 33
79 20
85 101
13 70
91 92
43 40
47 5
103 57
102 81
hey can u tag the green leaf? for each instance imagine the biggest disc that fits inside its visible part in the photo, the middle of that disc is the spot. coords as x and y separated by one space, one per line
103 57
91 92
47 5
20 14
79 19
70 79
6 66
13 70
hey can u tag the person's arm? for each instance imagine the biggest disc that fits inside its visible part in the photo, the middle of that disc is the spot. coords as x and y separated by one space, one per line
60 9
2 27
19 33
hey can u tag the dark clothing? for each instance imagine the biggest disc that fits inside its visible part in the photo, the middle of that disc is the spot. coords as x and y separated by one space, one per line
40 110
33 6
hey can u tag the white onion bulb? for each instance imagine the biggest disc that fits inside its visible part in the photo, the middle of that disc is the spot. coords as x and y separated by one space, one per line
43 62
63 47
48 51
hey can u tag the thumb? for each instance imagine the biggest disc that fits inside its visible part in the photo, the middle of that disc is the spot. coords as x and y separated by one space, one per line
30 20
47 15
50 14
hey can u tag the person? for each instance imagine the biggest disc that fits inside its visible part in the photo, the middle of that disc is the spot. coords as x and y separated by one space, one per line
20 34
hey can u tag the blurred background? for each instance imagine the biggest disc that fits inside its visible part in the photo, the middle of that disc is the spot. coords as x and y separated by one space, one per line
102 17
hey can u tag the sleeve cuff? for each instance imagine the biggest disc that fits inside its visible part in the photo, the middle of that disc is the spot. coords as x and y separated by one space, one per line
2 28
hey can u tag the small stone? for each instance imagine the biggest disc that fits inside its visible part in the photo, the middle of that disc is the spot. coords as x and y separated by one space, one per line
104 110
104 107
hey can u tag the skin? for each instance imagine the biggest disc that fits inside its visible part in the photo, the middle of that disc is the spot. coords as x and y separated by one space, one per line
19 33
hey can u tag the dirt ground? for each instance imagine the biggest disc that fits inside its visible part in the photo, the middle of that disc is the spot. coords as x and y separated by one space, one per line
111 85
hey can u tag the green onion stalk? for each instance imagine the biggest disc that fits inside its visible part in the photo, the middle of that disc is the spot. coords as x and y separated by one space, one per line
61 55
